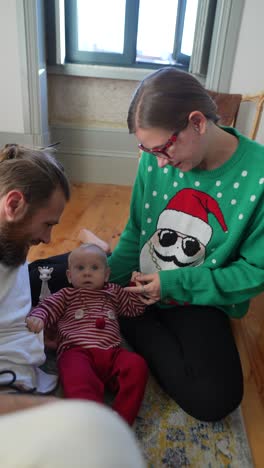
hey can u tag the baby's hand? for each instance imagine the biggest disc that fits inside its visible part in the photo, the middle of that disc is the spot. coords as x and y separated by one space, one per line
34 324
134 276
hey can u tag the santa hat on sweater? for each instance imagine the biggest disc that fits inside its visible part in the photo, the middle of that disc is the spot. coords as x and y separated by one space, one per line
187 213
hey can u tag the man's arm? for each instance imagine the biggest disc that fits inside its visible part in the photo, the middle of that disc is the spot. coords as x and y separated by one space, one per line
11 403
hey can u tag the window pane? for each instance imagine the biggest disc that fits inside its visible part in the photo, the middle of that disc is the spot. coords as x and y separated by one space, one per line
156 30
189 27
101 25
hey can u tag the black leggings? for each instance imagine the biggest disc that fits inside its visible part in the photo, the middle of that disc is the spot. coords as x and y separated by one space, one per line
193 355
190 349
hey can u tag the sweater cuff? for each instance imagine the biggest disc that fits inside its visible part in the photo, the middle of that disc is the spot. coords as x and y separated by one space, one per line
38 314
168 285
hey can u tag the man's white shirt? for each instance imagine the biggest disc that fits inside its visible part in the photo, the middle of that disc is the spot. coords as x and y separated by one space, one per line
20 350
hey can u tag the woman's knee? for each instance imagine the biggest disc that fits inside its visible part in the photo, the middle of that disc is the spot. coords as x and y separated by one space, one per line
215 407
207 401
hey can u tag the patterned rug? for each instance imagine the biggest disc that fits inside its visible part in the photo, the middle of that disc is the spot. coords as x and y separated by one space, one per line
171 438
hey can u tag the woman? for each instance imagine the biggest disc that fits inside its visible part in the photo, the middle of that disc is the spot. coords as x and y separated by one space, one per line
195 232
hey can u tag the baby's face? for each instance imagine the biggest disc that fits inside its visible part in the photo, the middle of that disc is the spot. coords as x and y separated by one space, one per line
87 270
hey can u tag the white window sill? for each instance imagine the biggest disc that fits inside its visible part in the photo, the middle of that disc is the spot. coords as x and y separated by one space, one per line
100 71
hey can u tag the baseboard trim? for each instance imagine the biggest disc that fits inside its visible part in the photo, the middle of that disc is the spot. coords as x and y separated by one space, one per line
27 139
93 154
97 154
100 170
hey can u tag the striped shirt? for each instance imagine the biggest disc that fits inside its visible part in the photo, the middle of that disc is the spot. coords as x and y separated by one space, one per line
88 318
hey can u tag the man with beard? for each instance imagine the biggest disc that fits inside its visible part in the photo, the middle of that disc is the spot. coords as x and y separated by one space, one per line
33 193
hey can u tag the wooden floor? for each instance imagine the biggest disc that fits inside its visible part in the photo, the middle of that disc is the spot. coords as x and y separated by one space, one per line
104 210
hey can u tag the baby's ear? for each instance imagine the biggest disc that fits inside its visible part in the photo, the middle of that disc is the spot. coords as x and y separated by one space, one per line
68 274
107 274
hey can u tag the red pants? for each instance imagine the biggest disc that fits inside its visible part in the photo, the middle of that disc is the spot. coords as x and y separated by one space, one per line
84 372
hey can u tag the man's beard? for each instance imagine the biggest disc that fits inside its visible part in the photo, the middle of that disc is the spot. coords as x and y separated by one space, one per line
14 243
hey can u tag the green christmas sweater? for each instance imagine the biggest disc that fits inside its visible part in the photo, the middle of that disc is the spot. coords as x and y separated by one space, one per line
202 231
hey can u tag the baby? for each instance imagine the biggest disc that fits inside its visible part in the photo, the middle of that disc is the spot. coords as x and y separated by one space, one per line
89 354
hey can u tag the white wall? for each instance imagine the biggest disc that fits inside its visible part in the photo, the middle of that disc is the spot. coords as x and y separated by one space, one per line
23 77
248 69
11 115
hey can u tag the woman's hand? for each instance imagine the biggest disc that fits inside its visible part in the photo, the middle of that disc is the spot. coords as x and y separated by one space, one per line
34 324
147 286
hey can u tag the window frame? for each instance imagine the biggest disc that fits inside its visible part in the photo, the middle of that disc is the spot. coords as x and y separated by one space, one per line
227 21
128 58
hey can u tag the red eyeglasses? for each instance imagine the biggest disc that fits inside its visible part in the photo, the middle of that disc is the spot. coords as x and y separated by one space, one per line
162 149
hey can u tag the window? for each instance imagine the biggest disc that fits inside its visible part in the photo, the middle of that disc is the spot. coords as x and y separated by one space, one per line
130 33
213 47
